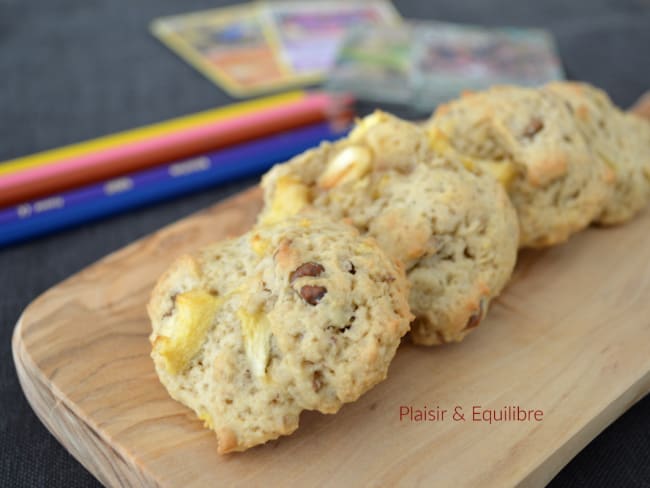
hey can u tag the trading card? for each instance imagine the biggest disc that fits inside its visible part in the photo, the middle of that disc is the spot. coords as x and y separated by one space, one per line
230 46
308 34
375 63
451 58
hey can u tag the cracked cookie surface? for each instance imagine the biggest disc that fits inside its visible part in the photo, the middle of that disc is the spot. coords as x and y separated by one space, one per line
454 228
301 315
529 139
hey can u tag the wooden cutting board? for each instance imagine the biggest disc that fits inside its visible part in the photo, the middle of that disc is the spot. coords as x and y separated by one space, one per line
570 337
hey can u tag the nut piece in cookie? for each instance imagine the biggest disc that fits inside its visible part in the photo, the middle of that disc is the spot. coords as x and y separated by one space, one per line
304 314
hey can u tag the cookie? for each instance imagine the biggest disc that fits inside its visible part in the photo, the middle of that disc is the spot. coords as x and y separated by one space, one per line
620 140
301 315
529 139
454 229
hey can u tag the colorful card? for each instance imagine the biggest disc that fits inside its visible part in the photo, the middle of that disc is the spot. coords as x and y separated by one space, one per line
230 46
451 58
308 34
425 63
376 63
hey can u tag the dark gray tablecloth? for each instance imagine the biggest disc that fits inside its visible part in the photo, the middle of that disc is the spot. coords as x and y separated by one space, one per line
75 69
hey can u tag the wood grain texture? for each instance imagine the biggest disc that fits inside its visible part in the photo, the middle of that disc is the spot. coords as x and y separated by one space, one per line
569 336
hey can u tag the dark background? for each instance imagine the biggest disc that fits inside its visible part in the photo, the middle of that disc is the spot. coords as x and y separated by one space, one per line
76 69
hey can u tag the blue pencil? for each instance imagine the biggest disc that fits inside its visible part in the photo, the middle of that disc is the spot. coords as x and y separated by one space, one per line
100 200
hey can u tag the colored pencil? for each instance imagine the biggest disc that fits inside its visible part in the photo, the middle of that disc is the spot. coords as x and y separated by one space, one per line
140 133
100 200
174 141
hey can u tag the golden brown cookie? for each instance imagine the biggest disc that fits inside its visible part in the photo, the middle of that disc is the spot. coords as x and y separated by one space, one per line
529 139
619 140
302 315
454 229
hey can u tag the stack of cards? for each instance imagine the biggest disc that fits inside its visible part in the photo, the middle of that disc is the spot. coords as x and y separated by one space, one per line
255 48
424 64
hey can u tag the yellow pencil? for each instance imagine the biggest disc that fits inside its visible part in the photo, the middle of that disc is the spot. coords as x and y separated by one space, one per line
135 135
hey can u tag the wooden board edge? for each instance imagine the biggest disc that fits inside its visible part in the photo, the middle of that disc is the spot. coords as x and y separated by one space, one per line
87 444
553 464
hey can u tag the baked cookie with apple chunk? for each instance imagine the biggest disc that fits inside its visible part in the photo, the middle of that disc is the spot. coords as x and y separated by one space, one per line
619 139
304 314
449 222
528 138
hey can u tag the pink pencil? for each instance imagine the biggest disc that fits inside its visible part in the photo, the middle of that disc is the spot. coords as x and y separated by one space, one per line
87 168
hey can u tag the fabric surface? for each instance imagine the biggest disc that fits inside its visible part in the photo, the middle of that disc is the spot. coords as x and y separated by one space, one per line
76 69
